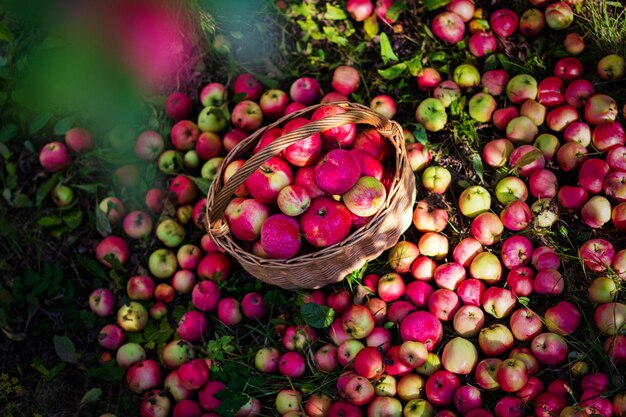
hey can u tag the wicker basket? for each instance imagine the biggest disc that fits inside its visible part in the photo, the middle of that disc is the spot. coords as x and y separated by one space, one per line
333 263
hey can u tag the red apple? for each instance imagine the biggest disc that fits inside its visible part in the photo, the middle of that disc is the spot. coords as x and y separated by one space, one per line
512 375
521 280
549 348
525 324
280 236
304 152
266 182
440 388
568 69
326 222
448 27
337 137
424 327
305 90
248 86
54 157
607 136
79 139
273 103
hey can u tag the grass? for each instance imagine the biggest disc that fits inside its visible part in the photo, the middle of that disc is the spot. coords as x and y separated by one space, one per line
603 24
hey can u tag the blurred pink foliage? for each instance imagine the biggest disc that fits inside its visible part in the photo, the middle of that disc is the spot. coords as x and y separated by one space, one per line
158 43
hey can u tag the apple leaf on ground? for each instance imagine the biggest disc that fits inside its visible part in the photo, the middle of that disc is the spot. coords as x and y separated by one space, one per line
317 316
478 166
63 125
334 13
386 51
65 349
435 4
90 396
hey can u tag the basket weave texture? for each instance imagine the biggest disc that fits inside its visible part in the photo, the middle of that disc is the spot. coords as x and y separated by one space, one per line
330 264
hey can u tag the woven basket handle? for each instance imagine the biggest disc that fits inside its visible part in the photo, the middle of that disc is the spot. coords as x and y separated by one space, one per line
362 115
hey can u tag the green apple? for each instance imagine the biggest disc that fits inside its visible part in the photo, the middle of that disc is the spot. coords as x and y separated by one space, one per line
432 364
546 212
482 106
132 317
431 113
385 386
548 144
170 162
466 76
612 67
510 189
213 119
602 290
162 263
211 167
521 87
191 159
170 233
487 267
436 179
474 200
62 195
418 408
534 111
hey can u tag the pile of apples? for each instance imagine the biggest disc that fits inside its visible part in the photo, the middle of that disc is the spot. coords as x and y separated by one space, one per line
449 26
291 194
449 326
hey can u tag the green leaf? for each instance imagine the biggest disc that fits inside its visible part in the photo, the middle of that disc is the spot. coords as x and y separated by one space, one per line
232 400
108 372
21 200
371 26
65 349
528 158
420 134
72 219
477 162
44 189
439 56
103 226
393 71
48 221
491 63
91 396
64 125
386 51
435 4
334 13
88 188
393 13
92 266
415 65
5 33
39 122
332 34
8 132
203 184
317 316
